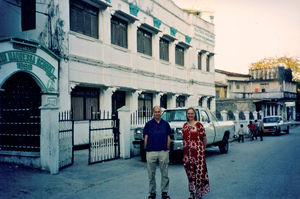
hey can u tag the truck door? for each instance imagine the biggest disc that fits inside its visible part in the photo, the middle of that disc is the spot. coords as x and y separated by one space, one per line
208 125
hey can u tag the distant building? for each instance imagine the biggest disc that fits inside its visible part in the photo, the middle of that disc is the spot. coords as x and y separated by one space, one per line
270 90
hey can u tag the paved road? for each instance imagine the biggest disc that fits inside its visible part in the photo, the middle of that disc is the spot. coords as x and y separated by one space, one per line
254 170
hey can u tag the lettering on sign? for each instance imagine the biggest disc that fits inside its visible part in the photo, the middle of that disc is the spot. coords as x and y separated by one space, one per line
25 61
204 35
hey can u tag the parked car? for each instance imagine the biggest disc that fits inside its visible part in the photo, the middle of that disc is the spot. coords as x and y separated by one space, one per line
217 132
275 124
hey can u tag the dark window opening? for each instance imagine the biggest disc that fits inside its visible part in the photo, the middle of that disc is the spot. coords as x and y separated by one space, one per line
179 55
119 32
84 18
164 49
144 42
85 103
180 101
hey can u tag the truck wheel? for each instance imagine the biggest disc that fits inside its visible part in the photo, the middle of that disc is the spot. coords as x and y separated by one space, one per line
278 132
288 130
224 145
143 155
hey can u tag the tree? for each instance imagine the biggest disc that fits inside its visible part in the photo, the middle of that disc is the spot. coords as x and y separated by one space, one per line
288 62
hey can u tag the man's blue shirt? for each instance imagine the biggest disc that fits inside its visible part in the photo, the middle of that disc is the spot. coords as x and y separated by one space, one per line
157 135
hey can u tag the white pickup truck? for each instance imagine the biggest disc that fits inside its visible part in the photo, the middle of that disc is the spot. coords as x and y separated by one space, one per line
217 132
275 124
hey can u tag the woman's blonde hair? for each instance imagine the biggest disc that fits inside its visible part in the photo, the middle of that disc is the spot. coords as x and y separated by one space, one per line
191 108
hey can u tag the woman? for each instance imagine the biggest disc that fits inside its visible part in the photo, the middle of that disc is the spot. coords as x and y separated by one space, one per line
194 143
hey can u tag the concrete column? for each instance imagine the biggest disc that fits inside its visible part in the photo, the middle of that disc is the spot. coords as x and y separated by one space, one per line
247 117
255 115
172 53
261 113
155 47
133 100
105 99
212 63
224 115
124 117
49 140
204 102
132 37
156 99
236 115
191 101
171 102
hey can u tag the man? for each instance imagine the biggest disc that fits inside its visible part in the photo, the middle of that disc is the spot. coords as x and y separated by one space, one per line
261 130
157 143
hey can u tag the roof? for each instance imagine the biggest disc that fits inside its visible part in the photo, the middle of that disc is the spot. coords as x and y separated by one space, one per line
232 73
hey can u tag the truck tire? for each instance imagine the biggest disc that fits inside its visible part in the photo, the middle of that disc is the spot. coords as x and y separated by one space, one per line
224 145
278 132
142 152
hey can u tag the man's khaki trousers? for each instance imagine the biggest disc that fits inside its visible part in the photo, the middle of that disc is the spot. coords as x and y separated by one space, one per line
162 157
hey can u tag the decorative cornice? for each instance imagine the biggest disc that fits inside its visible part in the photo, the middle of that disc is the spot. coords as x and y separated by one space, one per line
173 31
156 22
133 9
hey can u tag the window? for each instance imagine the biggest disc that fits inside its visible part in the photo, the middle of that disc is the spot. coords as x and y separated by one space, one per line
144 42
207 63
118 32
180 101
163 101
179 55
204 117
200 61
84 18
217 94
145 104
164 49
84 102
209 103
200 102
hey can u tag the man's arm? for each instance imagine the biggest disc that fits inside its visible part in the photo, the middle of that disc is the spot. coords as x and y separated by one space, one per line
145 140
169 142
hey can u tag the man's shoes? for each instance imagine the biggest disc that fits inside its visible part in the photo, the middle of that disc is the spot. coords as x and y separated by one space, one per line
164 195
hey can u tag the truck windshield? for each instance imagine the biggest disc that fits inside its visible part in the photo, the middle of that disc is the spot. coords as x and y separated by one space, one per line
271 119
174 115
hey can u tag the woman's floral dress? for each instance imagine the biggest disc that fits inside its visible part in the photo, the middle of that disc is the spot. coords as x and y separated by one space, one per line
194 159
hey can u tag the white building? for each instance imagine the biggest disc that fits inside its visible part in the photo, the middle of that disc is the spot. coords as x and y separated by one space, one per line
92 55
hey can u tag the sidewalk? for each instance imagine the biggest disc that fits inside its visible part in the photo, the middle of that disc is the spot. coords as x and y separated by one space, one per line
126 179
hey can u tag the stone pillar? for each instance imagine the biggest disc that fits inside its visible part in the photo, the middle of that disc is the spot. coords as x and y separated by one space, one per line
156 99
133 101
124 117
247 117
171 102
204 101
224 115
105 99
49 140
236 115
278 109
190 101
261 113
255 115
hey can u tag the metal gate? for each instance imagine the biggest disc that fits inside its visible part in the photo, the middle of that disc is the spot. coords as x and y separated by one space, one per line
104 143
20 114
66 140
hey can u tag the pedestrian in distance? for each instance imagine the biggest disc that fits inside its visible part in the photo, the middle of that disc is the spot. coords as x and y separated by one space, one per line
261 129
157 143
194 143
251 127
241 133
256 129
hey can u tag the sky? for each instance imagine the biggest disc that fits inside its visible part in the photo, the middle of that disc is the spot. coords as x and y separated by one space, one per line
249 30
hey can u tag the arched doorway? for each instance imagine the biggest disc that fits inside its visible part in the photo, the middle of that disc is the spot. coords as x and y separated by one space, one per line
20 114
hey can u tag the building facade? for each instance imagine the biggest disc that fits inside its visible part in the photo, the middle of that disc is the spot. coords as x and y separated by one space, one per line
90 56
270 90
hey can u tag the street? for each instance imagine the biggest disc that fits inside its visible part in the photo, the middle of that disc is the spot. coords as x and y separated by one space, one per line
253 169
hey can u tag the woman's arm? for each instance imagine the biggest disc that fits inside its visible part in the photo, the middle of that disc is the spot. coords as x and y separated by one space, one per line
204 141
